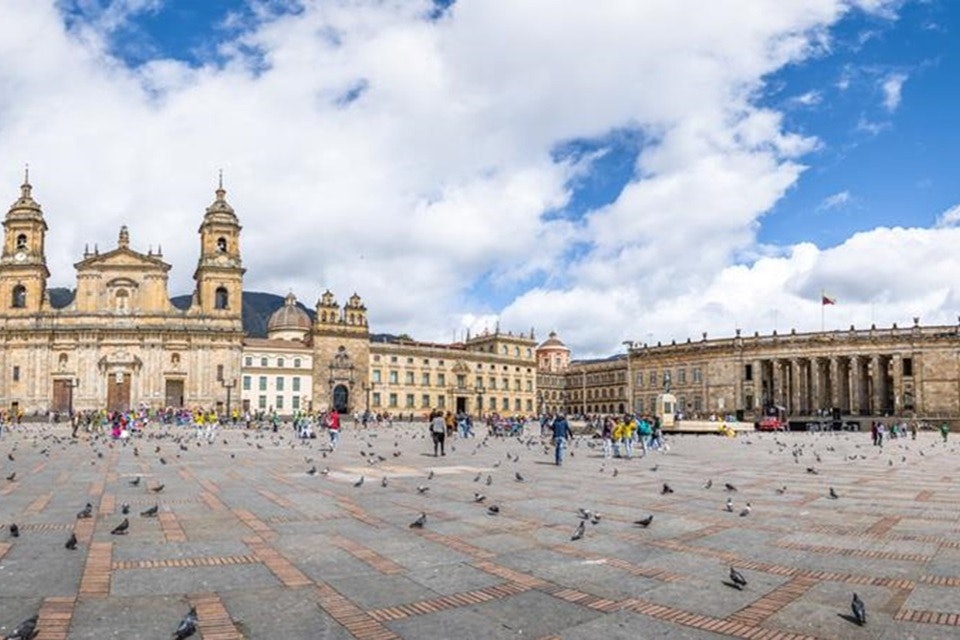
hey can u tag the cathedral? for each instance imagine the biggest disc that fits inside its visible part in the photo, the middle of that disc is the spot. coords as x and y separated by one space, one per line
119 343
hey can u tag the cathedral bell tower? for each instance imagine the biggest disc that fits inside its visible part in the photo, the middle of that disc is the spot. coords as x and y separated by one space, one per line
23 265
219 273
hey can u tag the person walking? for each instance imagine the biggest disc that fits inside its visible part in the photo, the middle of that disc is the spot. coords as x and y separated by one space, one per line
561 435
438 431
944 430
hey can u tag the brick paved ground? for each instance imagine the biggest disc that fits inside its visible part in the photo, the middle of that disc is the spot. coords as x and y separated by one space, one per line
264 550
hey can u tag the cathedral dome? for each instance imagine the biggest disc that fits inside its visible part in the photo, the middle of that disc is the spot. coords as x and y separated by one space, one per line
288 318
553 343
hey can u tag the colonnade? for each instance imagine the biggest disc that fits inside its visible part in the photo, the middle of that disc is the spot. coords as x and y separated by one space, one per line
854 384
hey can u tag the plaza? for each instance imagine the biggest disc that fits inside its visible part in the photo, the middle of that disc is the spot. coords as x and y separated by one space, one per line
264 549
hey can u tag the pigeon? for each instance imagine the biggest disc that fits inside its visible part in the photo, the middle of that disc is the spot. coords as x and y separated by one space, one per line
14 530
596 519
477 478
654 467
729 487
25 630
833 494
10 457
430 475
581 528
729 506
359 483
325 471
158 488
616 472
383 481
163 461
188 626
422 488
493 510
151 512
125 509
419 522
812 471
12 476
644 522
859 610
71 542
666 489
312 471
121 529
86 512
745 511
479 497
737 579
782 490
518 476
708 484
585 514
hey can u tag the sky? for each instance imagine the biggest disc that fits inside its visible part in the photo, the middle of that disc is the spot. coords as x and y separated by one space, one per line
612 171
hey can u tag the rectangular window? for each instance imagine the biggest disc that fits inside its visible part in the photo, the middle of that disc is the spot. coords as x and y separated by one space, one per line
493 383
441 380
393 400
639 405
697 403
441 402
375 398
263 362
409 404
409 378
296 363
529 385
262 402
279 403
461 380
248 361
424 379
748 401
296 383
697 375
506 384
516 404
394 377
908 366
246 383
653 378
505 404
296 403
425 400
16 374
262 382
748 372
376 375
516 384
529 402
393 358
682 375
640 379
279 383
219 372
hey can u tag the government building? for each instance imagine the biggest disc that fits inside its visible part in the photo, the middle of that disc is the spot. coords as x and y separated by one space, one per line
118 342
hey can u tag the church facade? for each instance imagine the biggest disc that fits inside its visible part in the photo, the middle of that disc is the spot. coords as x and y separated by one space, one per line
119 343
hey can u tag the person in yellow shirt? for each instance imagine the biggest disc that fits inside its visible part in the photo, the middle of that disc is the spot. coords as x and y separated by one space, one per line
618 431
629 432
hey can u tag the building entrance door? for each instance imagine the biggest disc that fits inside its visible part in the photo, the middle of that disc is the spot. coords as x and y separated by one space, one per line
461 404
62 392
118 391
341 398
173 393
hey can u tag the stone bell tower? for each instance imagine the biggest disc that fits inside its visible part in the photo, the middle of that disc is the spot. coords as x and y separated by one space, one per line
23 264
219 273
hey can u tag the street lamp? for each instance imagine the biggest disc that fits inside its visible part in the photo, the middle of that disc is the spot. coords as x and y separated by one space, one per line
629 345
480 391
367 388
228 385
72 384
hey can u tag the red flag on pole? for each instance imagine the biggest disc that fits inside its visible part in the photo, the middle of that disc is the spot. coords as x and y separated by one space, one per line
824 300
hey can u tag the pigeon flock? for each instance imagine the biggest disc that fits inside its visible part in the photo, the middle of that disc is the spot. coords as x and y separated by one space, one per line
373 454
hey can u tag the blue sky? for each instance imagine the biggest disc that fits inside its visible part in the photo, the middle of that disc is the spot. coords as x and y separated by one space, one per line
660 169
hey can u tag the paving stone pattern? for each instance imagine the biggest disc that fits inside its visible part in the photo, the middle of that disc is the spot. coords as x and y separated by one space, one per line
263 549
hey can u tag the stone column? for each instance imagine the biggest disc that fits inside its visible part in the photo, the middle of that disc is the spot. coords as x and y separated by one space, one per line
856 384
776 379
877 364
897 367
816 385
794 386
834 381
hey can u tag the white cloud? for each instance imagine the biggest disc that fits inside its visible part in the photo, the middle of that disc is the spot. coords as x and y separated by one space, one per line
892 88
949 218
440 172
808 99
835 200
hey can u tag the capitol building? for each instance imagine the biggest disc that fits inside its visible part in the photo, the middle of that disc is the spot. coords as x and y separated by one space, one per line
119 343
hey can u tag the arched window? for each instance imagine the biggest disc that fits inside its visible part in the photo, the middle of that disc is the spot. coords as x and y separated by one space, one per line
19 299
221 298
222 245
22 241
279 362
175 359
62 361
123 299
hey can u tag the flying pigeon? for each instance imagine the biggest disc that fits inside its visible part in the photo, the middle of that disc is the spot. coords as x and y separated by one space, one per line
14 530
581 528
737 579
359 483
86 512
188 626
419 522
859 610
729 487
644 522
121 529
151 512
25 630
833 494
666 489
71 542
